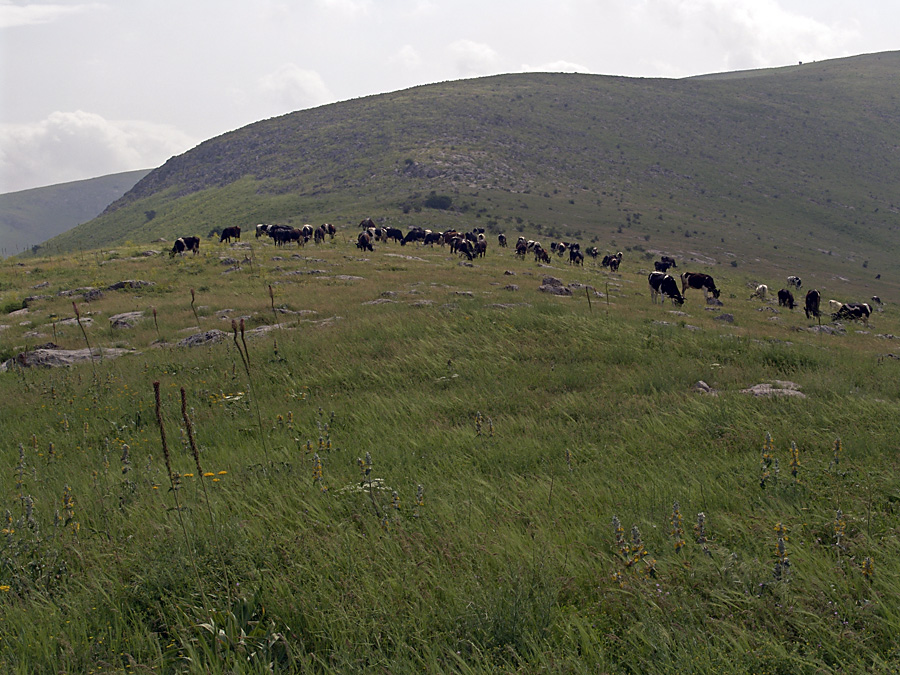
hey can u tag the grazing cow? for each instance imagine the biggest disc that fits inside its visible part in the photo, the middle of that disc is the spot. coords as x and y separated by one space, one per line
785 298
465 247
501 240
761 292
230 233
608 261
521 247
330 229
415 234
813 298
183 244
540 255
702 281
877 300
835 306
593 251
319 234
853 311
662 266
432 238
794 281
364 241
576 257
480 248
665 286
392 233
367 223
261 230
306 232
284 235
668 259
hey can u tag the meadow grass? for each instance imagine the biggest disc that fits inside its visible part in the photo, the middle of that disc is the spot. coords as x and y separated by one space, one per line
530 421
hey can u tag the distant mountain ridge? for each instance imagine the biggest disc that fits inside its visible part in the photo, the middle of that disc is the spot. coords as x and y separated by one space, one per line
30 217
777 164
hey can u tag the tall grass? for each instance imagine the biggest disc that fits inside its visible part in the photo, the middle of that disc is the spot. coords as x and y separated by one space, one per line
457 551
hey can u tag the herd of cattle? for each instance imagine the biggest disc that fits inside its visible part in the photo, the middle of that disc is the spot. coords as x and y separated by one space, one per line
474 244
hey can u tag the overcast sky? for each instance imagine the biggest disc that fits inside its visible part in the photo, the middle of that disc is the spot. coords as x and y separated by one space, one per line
92 88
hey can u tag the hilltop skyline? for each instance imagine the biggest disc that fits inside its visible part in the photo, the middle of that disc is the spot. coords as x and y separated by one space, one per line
92 88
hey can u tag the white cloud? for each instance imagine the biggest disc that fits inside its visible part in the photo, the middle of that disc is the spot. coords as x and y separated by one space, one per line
292 88
474 58
556 67
407 57
69 146
751 33
26 15
347 7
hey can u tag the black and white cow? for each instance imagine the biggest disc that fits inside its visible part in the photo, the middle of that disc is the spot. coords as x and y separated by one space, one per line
392 233
853 311
701 281
183 244
785 298
415 234
794 282
664 285
811 307
501 240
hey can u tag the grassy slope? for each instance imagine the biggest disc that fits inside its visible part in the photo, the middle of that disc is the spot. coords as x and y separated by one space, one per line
783 166
511 561
30 217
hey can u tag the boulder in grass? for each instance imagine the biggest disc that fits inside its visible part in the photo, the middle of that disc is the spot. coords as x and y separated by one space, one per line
554 286
125 320
55 358
205 338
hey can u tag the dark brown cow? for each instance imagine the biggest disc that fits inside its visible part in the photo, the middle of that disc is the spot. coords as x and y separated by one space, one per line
785 298
813 298
364 242
230 233
662 266
284 235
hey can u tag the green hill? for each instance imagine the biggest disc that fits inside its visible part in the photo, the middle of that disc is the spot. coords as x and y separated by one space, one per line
30 217
779 166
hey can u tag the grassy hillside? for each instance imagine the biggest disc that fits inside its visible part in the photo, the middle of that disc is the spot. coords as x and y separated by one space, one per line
418 465
30 217
794 166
